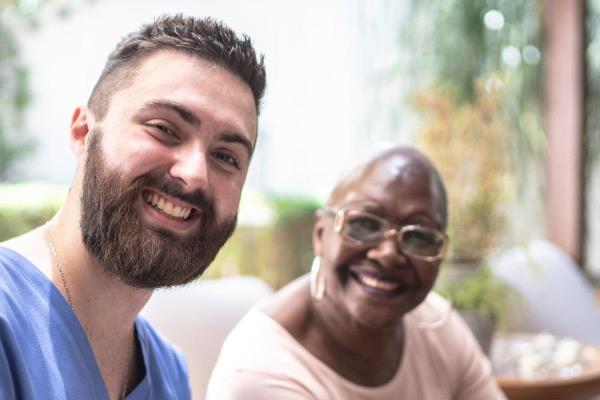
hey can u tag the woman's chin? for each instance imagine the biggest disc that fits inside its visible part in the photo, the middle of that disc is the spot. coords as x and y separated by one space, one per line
376 309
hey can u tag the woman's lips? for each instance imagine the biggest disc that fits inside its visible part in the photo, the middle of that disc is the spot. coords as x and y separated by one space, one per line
376 283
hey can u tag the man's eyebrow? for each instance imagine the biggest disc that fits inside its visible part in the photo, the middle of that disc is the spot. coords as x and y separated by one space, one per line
190 117
232 137
185 113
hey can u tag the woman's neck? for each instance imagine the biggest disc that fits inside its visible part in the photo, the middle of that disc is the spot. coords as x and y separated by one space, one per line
364 356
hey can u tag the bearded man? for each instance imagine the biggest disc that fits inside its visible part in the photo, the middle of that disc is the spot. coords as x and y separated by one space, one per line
163 148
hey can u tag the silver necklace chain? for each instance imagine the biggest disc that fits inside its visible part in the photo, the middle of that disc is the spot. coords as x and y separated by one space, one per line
68 292
60 270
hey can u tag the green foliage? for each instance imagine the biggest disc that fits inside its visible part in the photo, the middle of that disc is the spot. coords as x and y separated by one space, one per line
468 143
14 98
287 207
27 205
458 50
480 290
276 252
481 115
592 114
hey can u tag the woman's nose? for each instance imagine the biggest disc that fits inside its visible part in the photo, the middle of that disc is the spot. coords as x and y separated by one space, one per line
388 252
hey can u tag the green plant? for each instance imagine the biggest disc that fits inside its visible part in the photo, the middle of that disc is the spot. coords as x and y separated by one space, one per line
480 291
25 206
460 43
278 250
468 143
14 98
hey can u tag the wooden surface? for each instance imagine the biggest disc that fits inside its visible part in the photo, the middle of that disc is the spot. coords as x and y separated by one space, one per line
564 61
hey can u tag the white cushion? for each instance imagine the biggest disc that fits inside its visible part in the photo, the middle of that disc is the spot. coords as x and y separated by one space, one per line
197 318
556 297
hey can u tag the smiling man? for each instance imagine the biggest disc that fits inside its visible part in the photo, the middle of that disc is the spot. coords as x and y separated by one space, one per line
163 149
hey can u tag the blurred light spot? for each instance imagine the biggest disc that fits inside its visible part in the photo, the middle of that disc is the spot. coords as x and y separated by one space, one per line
531 55
493 84
511 56
493 20
593 54
8 12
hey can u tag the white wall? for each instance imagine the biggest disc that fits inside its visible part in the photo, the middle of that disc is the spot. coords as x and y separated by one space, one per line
314 112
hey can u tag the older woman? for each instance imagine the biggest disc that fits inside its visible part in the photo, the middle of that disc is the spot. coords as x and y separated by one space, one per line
365 325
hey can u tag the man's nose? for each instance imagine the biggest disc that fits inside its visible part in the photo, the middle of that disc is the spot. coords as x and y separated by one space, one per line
191 168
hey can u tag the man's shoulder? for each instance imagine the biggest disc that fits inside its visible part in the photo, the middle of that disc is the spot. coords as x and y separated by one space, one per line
13 272
24 292
31 248
17 270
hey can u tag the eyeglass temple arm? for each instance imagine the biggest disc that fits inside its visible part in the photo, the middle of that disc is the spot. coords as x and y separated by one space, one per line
326 210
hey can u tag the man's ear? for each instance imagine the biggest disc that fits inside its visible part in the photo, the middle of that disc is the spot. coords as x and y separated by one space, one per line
317 235
82 123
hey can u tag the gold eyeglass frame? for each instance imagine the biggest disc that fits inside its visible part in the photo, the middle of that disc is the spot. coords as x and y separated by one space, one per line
340 220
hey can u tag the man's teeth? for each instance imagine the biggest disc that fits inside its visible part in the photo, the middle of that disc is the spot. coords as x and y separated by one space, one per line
375 283
167 207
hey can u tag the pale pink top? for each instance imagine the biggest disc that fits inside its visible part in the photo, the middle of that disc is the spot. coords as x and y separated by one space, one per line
442 360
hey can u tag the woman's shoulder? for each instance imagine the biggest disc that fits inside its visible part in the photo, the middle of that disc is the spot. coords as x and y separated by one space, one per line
289 307
434 312
260 351
262 337
270 326
435 323
437 329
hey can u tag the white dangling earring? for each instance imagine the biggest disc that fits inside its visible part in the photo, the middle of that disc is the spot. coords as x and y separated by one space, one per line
317 282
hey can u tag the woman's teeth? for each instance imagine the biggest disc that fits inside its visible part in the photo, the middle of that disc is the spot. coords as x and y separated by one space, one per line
375 283
164 205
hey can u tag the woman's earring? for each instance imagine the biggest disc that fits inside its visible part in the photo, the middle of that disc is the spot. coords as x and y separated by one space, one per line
317 282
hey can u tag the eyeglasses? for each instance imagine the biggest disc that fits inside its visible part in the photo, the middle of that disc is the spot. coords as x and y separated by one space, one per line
365 229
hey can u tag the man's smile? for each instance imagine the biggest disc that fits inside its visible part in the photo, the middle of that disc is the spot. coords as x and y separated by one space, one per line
167 206
167 211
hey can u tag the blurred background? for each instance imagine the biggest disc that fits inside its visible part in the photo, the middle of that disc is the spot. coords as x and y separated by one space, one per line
503 95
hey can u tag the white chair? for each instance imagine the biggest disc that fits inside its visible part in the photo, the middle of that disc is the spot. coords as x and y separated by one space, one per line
198 317
556 297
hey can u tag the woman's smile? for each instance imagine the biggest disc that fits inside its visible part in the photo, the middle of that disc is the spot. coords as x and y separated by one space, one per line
379 284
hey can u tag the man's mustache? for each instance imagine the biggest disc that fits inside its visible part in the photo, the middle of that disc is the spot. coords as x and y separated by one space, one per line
197 198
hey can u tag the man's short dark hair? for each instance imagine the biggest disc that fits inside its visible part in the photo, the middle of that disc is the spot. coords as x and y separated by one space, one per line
205 38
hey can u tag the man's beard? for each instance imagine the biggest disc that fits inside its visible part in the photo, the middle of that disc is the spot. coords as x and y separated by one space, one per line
139 255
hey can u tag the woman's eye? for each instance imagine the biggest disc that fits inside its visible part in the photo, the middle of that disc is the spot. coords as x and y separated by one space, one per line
228 158
366 224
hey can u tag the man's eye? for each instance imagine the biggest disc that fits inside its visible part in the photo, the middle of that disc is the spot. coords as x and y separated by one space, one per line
164 129
228 158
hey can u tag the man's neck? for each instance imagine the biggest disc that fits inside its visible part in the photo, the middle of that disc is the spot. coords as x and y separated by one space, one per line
105 305
102 302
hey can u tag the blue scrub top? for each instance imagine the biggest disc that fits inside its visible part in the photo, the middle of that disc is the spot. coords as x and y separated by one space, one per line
45 354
